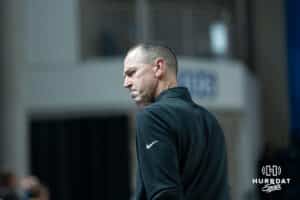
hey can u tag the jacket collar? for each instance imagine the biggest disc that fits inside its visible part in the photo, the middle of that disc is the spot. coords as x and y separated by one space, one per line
175 92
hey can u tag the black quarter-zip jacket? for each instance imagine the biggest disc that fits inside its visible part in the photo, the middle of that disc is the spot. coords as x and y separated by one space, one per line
181 151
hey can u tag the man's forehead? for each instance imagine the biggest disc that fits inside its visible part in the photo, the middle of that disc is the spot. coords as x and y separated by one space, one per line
132 66
135 56
133 61
129 67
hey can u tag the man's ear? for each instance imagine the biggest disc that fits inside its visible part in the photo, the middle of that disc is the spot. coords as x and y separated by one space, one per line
160 67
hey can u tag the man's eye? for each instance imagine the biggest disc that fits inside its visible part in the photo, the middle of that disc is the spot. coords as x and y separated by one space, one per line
131 73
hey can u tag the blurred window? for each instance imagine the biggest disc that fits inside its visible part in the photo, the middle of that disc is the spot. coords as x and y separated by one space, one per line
109 28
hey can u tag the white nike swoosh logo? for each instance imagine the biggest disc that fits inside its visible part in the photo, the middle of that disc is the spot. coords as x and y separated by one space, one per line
148 146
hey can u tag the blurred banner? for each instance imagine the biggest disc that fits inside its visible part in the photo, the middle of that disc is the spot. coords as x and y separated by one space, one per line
293 53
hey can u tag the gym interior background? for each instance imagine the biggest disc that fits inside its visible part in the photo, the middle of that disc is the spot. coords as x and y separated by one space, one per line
66 119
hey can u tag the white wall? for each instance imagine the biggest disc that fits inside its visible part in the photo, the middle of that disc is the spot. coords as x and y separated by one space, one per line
52 32
99 84
13 130
34 32
249 143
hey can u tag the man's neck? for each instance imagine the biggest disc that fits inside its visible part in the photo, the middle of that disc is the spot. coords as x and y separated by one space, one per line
162 86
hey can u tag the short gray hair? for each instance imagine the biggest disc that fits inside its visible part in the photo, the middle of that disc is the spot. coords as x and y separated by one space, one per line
154 51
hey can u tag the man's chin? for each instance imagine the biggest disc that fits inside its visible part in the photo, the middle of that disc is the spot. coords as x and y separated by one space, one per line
142 104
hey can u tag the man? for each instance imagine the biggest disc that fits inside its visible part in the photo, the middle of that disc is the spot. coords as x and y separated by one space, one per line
8 186
33 189
181 151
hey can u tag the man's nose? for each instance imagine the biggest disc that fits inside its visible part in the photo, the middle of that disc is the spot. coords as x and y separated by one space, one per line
127 83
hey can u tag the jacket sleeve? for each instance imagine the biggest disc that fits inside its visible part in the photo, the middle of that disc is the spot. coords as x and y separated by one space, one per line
157 157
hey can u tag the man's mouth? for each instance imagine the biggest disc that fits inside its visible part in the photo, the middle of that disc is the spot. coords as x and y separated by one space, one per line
133 94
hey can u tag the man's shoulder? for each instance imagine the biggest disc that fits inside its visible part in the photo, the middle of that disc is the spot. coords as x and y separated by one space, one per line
157 112
174 107
151 110
169 110
205 113
153 117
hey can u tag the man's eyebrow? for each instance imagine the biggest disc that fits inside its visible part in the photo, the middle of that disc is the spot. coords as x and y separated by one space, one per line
128 70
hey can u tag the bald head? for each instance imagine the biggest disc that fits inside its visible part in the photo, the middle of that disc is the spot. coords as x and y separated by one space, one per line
148 70
147 54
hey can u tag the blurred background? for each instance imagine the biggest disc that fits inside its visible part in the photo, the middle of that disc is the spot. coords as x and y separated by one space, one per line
66 120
